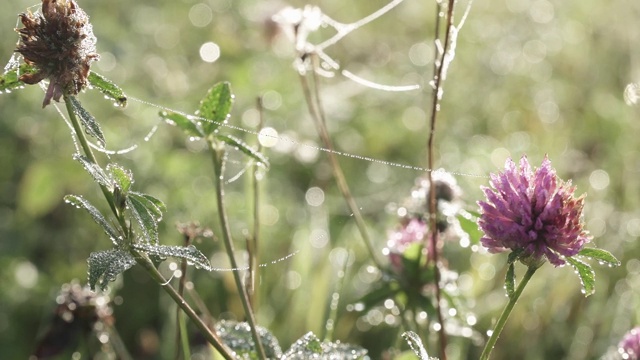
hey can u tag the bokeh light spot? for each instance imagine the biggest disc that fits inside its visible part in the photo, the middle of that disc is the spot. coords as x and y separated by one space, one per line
314 196
209 52
26 274
599 179
420 54
268 137
200 15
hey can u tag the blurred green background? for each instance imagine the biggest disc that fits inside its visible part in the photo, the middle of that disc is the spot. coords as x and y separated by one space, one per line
534 77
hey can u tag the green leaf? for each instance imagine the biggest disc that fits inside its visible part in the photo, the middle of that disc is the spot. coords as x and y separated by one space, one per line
586 273
107 87
122 178
602 256
310 347
510 280
90 124
157 202
145 216
246 149
378 295
106 265
415 344
184 122
94 170
156 207
514 256
10 80
469 224
307 347
215 107
238 337
80 202
189 253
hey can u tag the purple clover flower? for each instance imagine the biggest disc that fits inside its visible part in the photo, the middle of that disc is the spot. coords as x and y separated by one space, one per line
629 346
415 231
532 211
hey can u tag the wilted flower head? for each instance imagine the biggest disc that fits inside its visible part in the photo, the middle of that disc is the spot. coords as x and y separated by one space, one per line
629 346
60 44
414 231
534 212
447 198
79 312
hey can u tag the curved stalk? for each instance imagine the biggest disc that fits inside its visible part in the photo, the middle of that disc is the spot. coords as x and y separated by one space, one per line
217 155
317 114
506 312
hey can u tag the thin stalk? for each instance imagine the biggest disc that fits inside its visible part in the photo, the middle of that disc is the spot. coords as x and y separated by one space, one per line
315 109
211 336
435 107
332 313
142 259
117 344
202 307
182 338
486 353
217 155
255 238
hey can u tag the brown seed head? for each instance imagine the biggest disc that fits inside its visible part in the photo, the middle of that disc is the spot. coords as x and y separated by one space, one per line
60 44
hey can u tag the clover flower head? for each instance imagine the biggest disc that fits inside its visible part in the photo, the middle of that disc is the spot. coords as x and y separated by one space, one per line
629 346
447 193
59 43
446 186
412 232
534 212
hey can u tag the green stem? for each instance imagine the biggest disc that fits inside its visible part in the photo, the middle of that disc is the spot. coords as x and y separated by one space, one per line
506 312
181 325
211 337
439 66
254 254
217 154
184 337
88 153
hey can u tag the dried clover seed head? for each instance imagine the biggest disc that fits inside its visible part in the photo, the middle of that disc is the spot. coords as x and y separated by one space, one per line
60 44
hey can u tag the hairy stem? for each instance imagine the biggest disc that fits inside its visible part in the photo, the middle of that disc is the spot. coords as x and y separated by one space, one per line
486 353
80 135
435 107
218 154
317 114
